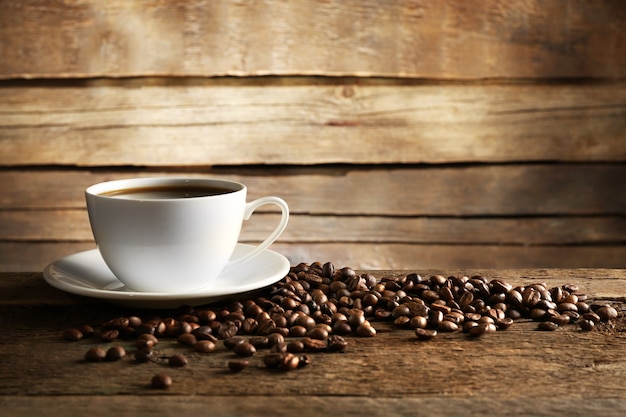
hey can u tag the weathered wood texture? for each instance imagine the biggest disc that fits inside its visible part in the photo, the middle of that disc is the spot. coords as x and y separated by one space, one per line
308 121
401 133
417 38
519 371
477 216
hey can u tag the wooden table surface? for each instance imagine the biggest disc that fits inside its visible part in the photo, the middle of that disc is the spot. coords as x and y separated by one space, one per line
518 371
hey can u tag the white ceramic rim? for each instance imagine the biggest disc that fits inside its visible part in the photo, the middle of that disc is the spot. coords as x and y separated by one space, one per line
96 190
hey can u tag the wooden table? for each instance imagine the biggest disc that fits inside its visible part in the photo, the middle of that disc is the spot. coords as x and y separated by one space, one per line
519 371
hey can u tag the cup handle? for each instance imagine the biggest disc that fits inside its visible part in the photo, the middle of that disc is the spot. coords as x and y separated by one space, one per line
250 208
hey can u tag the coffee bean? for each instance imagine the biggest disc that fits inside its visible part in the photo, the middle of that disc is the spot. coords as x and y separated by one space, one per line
231 342
228 329
482 329
547 326
303 360
504 323
418 322
448 326
317 333
607 313
204 333
279 347
500 286
314 345
161 381
73 334
117 323
178 360
273 359
115 353
259 342
187 339
86 330
142 356
95 354
561 319
365 329
562 307
586 325
342 327
204 346
336 343
425 334
592 316
238 365
289 362
468 325
244 349
295 346
109 335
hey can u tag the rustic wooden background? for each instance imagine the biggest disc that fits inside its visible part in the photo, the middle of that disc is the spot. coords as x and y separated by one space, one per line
402 133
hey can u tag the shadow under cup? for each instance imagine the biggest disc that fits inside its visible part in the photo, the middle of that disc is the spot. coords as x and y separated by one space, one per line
172 235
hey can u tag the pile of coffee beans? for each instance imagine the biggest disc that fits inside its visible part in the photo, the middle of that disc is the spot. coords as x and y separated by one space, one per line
315 307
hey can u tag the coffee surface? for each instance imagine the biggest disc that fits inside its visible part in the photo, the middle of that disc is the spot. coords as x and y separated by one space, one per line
166 192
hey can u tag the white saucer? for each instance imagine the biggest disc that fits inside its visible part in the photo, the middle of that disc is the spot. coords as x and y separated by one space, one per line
86 274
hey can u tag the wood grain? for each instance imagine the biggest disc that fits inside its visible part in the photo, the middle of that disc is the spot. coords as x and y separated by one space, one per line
513 372
199 122
34 256
313 405
73 225
480 190
443 39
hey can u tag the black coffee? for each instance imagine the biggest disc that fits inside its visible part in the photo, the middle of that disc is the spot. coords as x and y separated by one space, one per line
167 192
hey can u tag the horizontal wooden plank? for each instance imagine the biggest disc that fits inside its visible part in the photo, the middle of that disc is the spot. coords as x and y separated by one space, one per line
73 225
312 405
424 39
408 256
480 190
34 256
160 122
519 371
377 405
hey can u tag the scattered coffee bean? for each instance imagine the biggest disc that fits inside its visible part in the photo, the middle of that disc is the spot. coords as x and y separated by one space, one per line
161 381
547 326
260 342
86 330
365 329
187 339
481 329
295 346
592 316
109 335
204 346
425 334
314 345
142 356
606 313
72 334
587 325
289 362
178 360
115 353
316 305
95 354
237 366
232 341
244 349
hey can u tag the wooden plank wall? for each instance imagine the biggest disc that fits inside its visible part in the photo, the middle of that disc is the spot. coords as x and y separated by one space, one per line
402 133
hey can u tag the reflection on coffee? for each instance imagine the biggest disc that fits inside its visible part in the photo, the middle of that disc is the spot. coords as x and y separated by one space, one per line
166 192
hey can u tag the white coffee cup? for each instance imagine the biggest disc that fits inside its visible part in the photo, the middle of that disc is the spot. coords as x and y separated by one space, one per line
173 235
